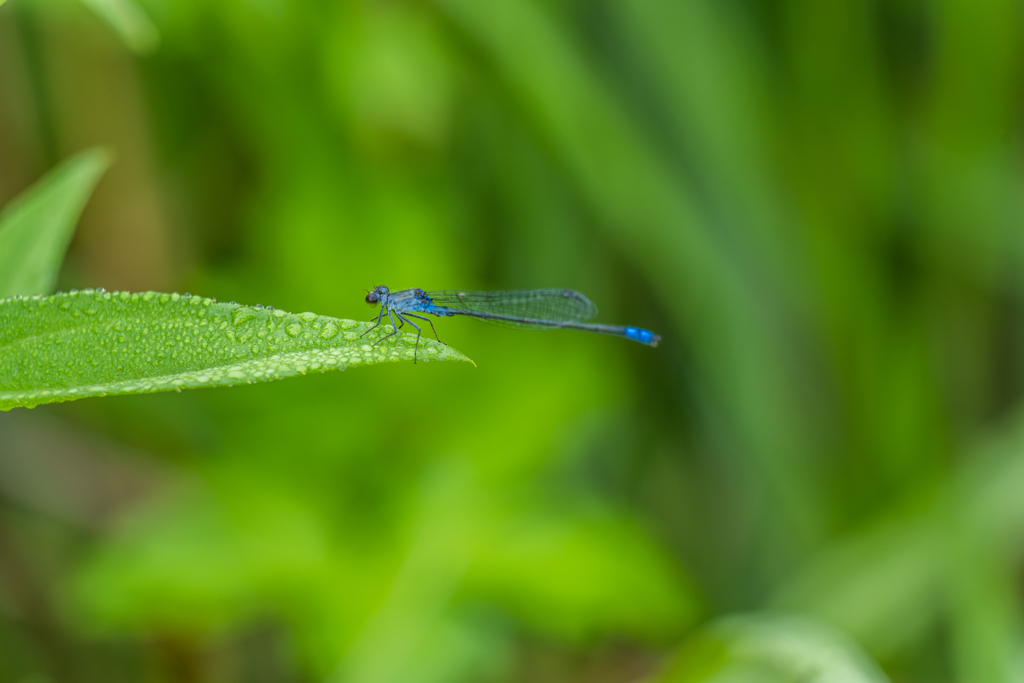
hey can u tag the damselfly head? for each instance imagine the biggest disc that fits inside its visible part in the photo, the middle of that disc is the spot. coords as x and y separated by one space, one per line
377 295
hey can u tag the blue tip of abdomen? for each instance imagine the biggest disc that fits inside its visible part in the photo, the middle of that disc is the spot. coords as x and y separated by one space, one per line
643 336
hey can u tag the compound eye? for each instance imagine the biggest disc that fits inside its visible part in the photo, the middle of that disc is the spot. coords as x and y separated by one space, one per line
372 298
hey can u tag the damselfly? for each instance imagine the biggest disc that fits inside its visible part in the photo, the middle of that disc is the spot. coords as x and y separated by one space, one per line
535 309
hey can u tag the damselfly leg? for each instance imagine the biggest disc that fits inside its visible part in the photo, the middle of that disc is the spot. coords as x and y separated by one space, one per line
389 334
431 322
419 333
376 325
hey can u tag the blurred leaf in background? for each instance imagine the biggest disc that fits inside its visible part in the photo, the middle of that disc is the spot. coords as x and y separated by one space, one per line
36 229
130 22
771 647
816 204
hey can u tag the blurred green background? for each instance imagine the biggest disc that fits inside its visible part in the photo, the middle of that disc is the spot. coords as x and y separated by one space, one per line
817 204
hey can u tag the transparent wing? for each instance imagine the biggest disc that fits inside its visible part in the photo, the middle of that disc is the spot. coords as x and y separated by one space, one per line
562 305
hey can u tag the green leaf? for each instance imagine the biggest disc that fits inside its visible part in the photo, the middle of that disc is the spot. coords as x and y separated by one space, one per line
95 343
36 228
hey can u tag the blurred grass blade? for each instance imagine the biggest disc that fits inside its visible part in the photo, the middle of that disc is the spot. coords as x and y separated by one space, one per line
712 76
933 555
878 586
94 343
131 23
778 647
35 228
653 214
